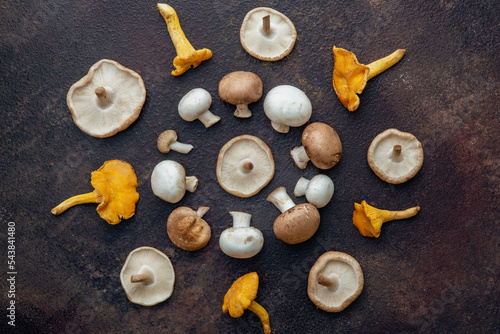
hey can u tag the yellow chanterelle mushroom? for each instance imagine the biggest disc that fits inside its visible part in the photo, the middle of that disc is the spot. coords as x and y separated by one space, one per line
187 56
115 186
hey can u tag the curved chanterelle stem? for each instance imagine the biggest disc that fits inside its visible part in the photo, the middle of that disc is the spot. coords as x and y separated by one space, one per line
240 297
187 56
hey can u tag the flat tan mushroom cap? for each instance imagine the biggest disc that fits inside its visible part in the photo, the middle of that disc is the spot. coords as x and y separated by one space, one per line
322 145
124 97
275 45
234 156
346 281
391 166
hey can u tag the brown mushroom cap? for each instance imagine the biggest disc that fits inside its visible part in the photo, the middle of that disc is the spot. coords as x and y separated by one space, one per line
335 281
297 224
166 138
187 230
322 145
240 87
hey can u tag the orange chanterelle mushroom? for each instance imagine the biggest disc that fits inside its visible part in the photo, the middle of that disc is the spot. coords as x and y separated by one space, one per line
115 186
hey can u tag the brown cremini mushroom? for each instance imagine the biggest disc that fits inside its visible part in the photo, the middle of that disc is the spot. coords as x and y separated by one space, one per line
106 100
320 144
186 228
241 88
267 34
167 140
245 165
395 156
335 281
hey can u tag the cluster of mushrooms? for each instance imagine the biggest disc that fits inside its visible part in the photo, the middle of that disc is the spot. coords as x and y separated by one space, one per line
110 97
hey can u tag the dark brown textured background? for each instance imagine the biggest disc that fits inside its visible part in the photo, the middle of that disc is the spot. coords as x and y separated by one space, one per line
437 272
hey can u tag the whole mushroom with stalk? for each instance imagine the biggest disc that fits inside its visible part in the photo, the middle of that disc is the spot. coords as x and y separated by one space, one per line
245 165
335 281
169 181
187 56
296 223
287 106
395 156
241 88
350 77
318 190
106 100
320 144
267 34
115 185
187 229
241 241
167 140
147 276
195 105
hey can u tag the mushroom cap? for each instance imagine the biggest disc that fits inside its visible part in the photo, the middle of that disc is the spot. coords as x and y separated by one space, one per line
320 190
395 168
123 103
164 277
240 87
241 242
237 152
187 230
166 138
343 267
287 105
168 181
270 47
241 294
297 224
322 145
116 181
194 103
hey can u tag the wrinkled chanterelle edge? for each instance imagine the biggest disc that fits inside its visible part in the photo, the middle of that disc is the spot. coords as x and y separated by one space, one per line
106 100
395 156
147 276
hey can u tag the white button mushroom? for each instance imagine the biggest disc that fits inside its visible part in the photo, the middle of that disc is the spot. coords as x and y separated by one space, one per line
169 181
241 241
318 190
195 105
287 106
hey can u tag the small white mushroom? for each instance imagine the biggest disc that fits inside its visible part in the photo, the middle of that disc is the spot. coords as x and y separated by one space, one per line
195 105
167 141
241 241
318 190
169 181
287 106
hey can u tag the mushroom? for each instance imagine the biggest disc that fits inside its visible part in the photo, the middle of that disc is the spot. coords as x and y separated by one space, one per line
186 228
350 77
297 223
187 56
167 140
169 181
320 144
245 166
195 105
115 185
241 241
241 88
368 219
106 100
287 106
395 156
147 276
318 190
267 34
335 281
240 297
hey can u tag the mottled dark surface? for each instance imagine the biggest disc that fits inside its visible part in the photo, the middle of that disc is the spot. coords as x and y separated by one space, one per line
437 272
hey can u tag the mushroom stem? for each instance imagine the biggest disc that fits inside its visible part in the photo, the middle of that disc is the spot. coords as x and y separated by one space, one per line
191 183
208 119
242 111
104 96
266 24
100 92
301 187
93 197
383 64
202 210
240 219
181 147
262 314
246 166
282 128
331 281
145 276
280 199
396 152
408 213
300 157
